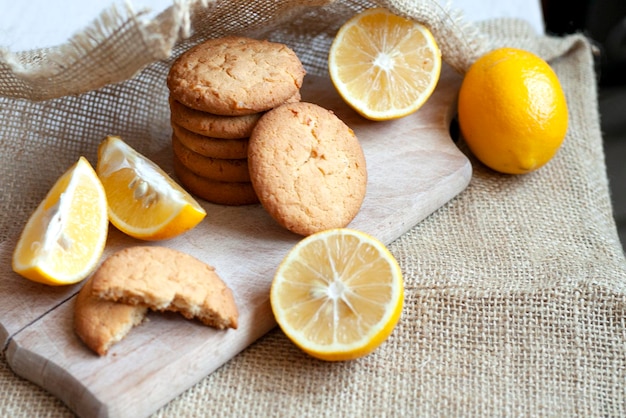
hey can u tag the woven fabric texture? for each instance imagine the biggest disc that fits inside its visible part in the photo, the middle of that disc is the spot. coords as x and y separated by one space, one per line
515 289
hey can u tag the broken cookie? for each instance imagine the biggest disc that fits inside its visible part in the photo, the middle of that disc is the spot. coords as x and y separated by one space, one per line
149 277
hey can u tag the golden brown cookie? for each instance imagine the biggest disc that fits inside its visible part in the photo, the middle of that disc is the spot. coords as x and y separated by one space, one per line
234 170
164 279
307 168
220 192
216 126
208 124
99 323
235 76
211 147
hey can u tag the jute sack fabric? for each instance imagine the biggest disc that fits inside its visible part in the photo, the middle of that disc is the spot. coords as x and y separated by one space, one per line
515 290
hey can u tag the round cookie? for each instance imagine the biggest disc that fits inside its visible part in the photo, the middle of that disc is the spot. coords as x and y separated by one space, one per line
235 76
307 168
212 168
216 126
211 147
220 192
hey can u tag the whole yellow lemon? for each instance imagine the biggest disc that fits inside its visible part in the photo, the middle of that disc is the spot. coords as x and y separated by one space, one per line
512 111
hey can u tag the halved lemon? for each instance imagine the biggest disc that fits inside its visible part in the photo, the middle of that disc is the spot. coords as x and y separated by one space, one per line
383 65
144 202
338 294
64 238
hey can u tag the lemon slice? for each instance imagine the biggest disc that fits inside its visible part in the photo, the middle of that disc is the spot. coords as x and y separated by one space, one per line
144 202
338 294
64 238
383 65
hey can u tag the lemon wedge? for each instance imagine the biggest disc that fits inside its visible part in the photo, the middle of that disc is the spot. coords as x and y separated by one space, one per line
144 202
64 238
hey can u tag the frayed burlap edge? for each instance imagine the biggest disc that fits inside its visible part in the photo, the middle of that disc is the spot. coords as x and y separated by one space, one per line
90 59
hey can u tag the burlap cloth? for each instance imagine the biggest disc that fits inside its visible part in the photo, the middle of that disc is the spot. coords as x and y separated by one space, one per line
515 290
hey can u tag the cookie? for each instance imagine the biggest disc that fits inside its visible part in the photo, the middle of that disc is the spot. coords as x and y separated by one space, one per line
234 170
164 279
211 147
216 126
219 192
208 124
307 168
99 323
235 76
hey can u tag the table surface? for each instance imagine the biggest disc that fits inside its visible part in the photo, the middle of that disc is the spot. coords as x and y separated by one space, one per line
26 25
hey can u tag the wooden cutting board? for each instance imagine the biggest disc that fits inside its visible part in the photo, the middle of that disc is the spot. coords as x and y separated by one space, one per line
413 168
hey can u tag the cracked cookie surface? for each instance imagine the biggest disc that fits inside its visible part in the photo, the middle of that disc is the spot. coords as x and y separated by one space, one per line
235 76
307 168
164 279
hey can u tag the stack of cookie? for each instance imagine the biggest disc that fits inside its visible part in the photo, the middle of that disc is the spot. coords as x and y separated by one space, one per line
218 91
